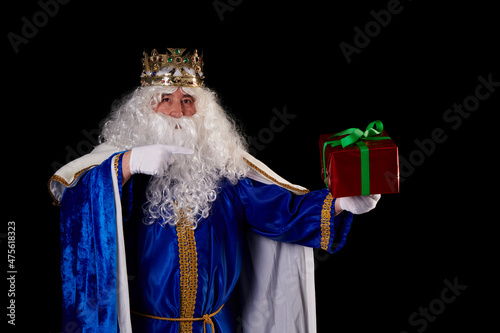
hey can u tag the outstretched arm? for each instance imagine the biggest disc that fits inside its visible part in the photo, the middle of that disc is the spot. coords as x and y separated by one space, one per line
312 219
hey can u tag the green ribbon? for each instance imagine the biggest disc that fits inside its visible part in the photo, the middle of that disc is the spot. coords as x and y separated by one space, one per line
357 136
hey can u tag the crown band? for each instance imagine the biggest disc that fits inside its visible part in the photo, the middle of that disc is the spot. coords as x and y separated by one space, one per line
172 69
175 81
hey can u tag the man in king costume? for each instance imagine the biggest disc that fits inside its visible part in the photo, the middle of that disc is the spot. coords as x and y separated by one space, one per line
169 225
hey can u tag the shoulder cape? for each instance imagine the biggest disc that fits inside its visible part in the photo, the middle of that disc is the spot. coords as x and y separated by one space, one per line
290 271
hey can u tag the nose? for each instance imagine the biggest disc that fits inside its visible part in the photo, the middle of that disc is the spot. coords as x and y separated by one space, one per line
177 111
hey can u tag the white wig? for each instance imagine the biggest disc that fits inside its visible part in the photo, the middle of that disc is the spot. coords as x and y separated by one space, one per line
190 184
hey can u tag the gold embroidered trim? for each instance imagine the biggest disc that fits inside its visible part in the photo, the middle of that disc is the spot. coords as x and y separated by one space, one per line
116 163
325 221
63 181
288 187
188 260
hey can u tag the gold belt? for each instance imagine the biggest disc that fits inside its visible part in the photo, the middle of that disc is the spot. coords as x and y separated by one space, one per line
207 319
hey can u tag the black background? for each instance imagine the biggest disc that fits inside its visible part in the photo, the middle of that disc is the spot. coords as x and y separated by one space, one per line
261 56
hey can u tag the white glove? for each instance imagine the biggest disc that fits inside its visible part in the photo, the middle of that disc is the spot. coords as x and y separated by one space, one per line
359 205
155 159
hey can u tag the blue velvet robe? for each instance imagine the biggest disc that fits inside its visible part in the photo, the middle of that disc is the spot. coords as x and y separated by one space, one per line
153 252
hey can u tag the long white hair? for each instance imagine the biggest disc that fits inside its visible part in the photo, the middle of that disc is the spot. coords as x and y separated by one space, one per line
190 184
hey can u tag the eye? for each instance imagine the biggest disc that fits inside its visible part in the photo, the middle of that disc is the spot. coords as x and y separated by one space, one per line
187 101
165 99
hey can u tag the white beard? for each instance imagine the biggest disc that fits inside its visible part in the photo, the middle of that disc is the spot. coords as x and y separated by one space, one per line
190 184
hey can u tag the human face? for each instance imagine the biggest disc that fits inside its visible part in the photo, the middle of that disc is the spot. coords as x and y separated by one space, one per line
177 104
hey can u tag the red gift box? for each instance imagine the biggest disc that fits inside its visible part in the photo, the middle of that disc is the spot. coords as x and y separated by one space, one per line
366 164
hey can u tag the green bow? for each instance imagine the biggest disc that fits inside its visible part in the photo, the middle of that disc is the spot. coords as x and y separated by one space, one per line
357 136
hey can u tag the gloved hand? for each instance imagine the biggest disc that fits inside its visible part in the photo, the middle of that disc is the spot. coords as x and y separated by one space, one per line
359 205
155 159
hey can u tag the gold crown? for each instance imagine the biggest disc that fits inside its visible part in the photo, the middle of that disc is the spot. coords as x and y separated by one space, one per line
172 69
